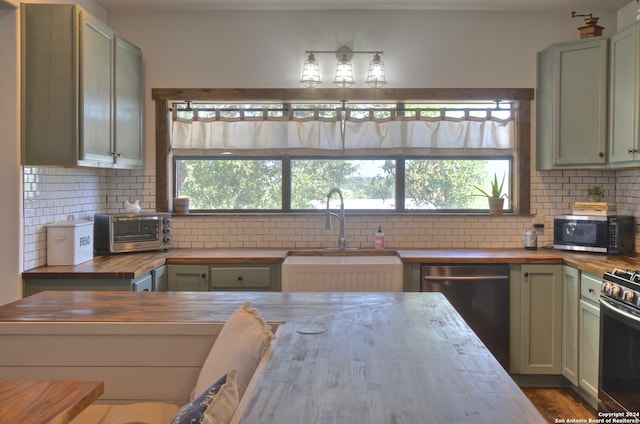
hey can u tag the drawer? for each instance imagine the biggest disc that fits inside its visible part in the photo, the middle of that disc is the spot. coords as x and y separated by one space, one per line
590 286
240 277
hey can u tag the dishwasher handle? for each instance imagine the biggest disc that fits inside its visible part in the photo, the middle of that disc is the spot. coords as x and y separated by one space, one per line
466 278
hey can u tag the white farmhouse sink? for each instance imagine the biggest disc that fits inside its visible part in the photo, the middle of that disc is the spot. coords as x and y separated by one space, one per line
346 273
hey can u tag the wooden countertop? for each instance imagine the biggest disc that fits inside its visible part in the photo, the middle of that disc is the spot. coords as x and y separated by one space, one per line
134 265
209 256
46 402
598 264
127 266
381 357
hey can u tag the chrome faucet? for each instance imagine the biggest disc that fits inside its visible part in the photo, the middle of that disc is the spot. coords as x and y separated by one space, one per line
342 239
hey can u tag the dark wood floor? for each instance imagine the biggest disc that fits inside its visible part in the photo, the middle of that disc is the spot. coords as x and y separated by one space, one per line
559 403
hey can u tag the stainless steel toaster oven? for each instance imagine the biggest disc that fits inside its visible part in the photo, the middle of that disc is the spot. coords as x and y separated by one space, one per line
131 232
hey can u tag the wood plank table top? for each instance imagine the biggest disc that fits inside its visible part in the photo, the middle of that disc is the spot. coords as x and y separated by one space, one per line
45 402
371 357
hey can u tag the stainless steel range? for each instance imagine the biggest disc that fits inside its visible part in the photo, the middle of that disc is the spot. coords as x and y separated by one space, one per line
619 380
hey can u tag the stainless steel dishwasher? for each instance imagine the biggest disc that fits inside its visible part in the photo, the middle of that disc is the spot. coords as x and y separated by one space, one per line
480 294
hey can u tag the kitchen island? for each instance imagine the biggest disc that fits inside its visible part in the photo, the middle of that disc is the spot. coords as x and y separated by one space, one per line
338 357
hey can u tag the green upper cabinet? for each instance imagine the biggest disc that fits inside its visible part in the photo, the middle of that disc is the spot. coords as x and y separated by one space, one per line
623 104
96 90
128 105
572 104
81 91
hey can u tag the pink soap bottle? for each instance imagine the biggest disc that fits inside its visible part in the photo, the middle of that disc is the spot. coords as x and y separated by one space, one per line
379 239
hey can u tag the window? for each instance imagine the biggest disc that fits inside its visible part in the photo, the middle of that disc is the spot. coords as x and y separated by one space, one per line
426 184
393 157
229 184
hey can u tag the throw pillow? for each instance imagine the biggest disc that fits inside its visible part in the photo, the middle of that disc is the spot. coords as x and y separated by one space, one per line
215 405
244 338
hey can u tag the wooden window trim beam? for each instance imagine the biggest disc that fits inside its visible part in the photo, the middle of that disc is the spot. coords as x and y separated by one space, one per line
164 96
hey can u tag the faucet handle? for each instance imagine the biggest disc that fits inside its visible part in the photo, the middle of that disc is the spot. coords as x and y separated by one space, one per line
342 241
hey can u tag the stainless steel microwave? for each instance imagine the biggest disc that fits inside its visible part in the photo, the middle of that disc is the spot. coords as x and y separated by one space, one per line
613 234
133 232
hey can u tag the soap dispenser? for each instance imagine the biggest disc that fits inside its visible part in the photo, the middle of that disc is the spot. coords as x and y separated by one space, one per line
379 239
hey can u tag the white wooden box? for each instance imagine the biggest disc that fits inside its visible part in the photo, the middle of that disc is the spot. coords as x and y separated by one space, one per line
69 242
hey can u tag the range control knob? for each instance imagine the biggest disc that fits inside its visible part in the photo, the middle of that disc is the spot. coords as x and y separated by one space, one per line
606 287
615 290
166 240
628 295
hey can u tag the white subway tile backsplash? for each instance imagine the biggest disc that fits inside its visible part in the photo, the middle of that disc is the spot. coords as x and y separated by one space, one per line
51 194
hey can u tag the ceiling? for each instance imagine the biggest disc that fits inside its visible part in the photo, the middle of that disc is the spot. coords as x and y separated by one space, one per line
564 6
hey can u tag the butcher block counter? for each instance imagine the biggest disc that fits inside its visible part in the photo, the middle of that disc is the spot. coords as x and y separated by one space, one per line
338 357
134 265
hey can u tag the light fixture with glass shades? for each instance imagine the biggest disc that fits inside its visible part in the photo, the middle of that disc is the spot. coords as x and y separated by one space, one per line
344 69
375 76
311 72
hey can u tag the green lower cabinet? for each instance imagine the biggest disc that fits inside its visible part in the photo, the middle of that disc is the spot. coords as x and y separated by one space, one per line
536 319
36 285
581 331
570 323
160 278
188 277
590 286
224 277
245 277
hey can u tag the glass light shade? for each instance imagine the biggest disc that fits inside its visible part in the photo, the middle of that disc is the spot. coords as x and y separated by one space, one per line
375 76
344 74
311 72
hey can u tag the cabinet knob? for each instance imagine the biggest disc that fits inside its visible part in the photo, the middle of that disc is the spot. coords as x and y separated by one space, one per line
601 154
203 276
240 278
526 275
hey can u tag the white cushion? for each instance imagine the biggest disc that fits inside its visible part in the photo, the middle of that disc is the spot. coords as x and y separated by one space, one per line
244 338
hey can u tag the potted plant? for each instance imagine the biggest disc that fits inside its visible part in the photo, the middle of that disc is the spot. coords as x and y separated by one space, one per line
594 193
495 196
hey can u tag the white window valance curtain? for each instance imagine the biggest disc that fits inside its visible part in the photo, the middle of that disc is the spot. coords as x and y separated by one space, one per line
345 132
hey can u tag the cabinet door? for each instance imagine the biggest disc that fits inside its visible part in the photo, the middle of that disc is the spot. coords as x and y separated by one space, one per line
160 278
128 143
49 89
143 284
572 104
541 324
570 322
96 96
623 103
589 347
188 278
241 277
